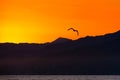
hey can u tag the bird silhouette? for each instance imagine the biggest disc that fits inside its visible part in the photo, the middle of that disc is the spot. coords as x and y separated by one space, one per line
74 31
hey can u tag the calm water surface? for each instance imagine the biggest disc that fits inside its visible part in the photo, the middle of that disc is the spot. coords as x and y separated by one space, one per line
59 77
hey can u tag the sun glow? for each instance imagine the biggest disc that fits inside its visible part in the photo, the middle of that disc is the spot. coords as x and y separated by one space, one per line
13 34
39 21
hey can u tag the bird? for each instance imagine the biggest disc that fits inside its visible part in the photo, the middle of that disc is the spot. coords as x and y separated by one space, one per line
74 31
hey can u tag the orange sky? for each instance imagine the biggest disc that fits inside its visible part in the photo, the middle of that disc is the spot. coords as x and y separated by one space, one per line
39 21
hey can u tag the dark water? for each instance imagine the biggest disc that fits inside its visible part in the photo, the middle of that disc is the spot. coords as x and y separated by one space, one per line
59 77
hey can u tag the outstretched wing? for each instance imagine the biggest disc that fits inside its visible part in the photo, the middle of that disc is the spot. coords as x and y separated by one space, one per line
70 29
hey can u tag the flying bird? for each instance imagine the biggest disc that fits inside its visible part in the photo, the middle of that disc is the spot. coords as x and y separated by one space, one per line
74 31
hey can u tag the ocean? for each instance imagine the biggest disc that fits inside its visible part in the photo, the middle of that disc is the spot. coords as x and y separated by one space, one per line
59 77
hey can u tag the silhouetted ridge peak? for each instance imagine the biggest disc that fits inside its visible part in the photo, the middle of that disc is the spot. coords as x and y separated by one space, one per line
111 35
61 40
117 33
95 40
114 35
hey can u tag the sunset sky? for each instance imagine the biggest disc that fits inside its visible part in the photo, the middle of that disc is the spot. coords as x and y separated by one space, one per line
39 21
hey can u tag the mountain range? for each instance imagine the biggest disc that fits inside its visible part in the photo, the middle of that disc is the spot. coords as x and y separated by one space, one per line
88 55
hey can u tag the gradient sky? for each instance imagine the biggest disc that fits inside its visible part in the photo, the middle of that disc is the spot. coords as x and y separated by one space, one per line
39 21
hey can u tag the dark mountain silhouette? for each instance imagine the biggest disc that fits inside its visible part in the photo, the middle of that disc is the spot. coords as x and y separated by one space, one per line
61 40
88 55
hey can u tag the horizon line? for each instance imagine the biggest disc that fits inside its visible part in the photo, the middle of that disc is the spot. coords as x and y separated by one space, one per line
57 38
